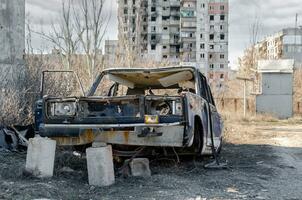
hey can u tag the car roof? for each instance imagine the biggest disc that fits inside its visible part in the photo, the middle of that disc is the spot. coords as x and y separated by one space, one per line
146 70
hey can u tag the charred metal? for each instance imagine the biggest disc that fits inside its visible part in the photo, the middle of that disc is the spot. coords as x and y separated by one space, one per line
166 107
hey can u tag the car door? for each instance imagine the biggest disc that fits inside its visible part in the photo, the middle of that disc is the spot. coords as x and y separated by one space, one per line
203 93
216 118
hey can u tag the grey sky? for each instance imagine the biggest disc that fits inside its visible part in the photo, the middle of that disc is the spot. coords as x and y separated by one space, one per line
272 14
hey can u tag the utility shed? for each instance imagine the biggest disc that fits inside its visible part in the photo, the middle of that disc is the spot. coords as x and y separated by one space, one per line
276 96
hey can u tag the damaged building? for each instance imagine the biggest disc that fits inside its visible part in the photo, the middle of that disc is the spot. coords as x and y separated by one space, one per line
178 31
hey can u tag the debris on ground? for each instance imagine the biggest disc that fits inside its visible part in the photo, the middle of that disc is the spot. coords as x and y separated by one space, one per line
140 167
15 138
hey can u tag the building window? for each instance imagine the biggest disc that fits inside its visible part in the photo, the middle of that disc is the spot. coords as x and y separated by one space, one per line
153 28
211 36
222 17
211 46
221 27
164 47
165 28
203 5
221 76
222 7
211 27
165 56
153 47
125 11
153 19
191 35
153 9
202 46
211 7
221 66
125 2
202 55
153 37
212 17
211 66
201 36
222 36
221 56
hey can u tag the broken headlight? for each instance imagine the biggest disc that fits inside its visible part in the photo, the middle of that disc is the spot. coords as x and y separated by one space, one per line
63 109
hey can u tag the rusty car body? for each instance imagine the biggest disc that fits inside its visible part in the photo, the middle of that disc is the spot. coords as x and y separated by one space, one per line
162 107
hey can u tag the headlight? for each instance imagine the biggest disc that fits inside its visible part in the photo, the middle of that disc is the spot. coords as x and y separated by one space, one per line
63 109
151 119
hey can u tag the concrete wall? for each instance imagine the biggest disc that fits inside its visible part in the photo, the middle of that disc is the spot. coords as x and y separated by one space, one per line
277 95
12 40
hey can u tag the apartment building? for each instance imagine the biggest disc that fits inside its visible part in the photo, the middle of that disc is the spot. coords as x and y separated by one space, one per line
179 31
285 44
133 26
111 51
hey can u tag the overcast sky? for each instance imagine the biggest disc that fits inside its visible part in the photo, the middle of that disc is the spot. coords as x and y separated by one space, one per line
272 14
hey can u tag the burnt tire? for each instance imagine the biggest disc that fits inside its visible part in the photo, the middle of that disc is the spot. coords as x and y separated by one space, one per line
198 139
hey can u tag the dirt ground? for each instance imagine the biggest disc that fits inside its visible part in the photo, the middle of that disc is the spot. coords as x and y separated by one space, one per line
264 162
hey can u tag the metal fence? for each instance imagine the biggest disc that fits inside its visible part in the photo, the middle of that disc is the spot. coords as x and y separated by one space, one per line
235 104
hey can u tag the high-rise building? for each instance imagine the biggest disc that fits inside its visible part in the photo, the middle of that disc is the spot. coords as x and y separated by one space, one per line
178 31
133 25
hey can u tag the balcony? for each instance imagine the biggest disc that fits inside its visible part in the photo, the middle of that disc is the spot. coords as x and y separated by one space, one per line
174 22
174 3
191 24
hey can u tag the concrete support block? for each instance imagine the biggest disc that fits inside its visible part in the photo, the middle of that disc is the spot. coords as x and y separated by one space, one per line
40 157
100 166
140 167
98 144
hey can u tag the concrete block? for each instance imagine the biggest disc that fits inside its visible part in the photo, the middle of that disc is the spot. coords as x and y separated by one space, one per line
40 157
98 144
100 166
140 167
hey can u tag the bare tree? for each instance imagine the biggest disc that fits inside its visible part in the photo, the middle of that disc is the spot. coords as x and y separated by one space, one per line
62 35
91 25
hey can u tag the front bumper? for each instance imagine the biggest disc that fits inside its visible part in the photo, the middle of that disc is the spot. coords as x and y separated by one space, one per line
75 130
171 134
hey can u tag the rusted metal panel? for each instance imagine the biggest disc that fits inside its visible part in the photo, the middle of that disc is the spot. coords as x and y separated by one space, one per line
86 138
171 137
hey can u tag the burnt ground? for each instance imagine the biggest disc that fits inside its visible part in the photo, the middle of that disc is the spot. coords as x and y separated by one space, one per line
264 159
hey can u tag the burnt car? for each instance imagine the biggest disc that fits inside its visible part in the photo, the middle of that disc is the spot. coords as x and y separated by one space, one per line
162 107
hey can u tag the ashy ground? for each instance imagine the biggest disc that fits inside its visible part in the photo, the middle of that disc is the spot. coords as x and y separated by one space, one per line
264 160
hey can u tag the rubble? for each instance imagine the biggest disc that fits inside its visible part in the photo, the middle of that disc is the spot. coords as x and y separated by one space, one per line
15 138
8 139
140 167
